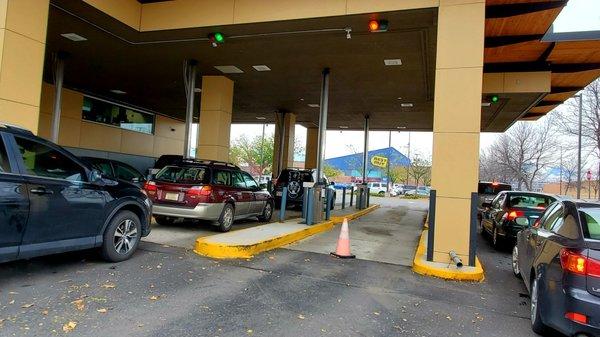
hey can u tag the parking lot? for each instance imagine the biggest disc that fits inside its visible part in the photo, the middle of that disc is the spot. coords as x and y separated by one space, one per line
172 291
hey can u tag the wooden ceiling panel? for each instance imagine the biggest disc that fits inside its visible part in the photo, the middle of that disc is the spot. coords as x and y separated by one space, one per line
579 79
519 52
576 52
532 23
541 109
559 97
510 2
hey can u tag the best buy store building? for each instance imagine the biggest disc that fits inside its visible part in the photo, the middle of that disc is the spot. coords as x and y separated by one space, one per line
131 72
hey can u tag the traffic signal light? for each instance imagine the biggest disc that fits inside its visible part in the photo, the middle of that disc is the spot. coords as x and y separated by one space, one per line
376 26
216 38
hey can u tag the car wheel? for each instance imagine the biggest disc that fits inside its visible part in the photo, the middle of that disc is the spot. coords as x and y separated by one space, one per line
515 262
164 221
267 212
536 320
226 220
381 193
121 237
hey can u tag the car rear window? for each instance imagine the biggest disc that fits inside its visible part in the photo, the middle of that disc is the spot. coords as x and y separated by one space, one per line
168 159
590 218
493 188
529 201
184 175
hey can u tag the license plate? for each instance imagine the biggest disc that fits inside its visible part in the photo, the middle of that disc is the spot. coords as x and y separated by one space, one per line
278 193
172 196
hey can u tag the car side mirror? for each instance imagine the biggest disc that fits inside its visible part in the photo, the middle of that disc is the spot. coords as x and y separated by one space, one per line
486 205
522 221
96 177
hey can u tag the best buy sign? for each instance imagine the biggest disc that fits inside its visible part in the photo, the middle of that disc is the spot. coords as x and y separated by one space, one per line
379 161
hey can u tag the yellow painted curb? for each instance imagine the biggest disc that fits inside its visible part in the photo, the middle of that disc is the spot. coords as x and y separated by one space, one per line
355 215
228 251
448 272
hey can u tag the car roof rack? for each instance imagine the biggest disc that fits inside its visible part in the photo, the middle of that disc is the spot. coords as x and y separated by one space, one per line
209 162
15 128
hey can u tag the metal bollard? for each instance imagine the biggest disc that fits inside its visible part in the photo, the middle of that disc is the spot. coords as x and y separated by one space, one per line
283 204
309 208
455 259
328 196
343 197
351 195
368 197
304 202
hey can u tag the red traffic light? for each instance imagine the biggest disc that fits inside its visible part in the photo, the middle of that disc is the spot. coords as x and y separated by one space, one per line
376 26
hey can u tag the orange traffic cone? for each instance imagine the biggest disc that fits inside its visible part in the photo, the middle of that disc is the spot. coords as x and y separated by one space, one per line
343 245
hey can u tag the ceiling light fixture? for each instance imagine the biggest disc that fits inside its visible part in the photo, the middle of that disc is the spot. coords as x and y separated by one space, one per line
486 104
348 32
73 37
399 98
118 92
260 118
197 90
312 105
401 127
261 67
392 62
343 127
407 105
229 69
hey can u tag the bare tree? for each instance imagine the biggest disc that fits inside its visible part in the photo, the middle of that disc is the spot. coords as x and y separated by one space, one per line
524 152
420 170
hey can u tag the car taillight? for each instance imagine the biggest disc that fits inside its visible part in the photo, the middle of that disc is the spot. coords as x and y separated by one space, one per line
150 187
577 317
511 215
578 264
199 191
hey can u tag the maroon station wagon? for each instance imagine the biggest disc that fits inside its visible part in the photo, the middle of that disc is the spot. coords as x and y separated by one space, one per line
207 190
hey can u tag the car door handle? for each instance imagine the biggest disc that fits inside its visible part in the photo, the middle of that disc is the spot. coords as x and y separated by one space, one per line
41 191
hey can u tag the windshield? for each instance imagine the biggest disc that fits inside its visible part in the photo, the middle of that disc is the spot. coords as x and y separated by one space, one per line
529 201
590 218
184 175
493 188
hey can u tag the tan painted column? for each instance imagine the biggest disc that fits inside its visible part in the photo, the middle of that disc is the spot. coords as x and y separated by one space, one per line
312 140
456 123
23 25
214 125
286 123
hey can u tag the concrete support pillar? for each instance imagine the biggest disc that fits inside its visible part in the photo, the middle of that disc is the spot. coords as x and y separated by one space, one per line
312 141
285 124
23 27
215 118
456 125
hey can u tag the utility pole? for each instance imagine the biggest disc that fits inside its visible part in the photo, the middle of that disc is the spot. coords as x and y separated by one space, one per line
579 146
561 172
409 162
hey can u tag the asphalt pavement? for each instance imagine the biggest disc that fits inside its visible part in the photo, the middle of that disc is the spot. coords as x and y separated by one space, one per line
170 291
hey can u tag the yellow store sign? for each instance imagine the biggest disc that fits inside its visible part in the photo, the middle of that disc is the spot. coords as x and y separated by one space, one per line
379 161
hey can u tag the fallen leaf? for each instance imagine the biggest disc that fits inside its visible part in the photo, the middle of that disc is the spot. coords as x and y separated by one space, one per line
29 305
68 327
79 304
301 317
249 331
108 285
376 313
153 298
102 310
11 302
45 312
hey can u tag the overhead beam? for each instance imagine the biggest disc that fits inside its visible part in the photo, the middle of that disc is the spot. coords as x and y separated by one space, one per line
547 52
549 103
564 90
562 68
500 41
509 10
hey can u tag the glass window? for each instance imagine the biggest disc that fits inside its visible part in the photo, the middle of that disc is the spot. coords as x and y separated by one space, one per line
41 160
4 163
250 182
499 200
107 113
529 201
127 172
221 177
185 175
552 218
590 218
100 164
238 180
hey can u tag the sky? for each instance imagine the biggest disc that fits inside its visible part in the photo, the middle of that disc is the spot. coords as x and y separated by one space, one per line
578 15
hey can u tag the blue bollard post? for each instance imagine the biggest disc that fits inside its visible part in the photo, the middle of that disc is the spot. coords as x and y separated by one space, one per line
343 197
304 203
309 207
351 195
283 204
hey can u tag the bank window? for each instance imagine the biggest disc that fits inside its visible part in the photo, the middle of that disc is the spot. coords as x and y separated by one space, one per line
98 111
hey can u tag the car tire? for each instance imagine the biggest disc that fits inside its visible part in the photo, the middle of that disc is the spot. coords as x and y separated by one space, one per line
121 237
381 193
164 220
226 219
537 325
515 262
267 213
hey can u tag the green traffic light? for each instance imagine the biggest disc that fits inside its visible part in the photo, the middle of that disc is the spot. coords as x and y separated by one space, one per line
495 99
219 37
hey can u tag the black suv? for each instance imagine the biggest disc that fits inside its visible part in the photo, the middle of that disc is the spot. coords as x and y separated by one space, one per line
52 202
293 179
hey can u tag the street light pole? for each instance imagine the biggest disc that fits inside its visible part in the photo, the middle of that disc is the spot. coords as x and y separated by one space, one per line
579 146
409 163
389 161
